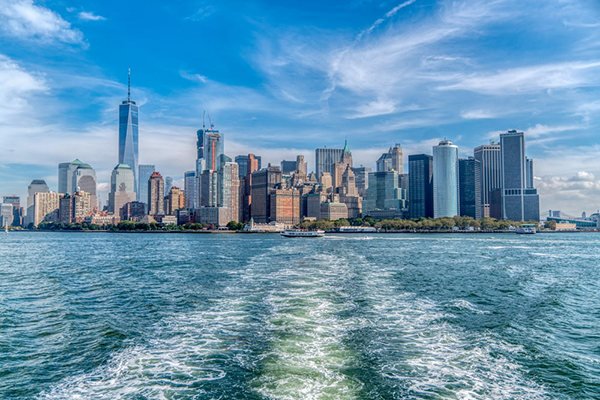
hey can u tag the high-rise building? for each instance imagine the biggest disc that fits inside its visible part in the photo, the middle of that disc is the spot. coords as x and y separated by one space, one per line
301 167
383 192
6 215
213 148
75 207
128 135
263 182
15 201
175 200
325 158
229 185
519 202
285 206
252 164
469 178
420 177
489 157
168 185
156 190
145 171
349 194
65 176
445 180
45 207
287 167
36 186
122 188
397 159
340 167
362 179
191 189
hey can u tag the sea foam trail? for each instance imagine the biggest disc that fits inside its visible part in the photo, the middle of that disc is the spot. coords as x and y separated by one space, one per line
182 357
418 354
307 358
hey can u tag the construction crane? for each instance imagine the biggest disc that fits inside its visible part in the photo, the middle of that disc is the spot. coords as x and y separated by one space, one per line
203 115
212 126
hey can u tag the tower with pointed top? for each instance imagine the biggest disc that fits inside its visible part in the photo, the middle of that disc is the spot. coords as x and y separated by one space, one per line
128 134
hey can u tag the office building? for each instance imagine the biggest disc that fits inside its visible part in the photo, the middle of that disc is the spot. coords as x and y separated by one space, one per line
168 185
392 160
288 167
420 177
6 215
128 135
229 197
74 208
175 200
383 192
15 201
519 202
122 188
145 171
301 167
133 211
156 190
469 178
340 167
190 182
285 206
489 159
445 180
325 158
361 175
252 164
263 182
45 207
36 186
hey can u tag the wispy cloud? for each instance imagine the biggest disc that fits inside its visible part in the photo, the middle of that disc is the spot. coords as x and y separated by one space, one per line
540 130
202 13
25 20
477 114
89 16
16 85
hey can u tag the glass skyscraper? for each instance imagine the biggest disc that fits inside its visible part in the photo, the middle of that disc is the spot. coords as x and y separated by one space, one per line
420 185
445 180
128 135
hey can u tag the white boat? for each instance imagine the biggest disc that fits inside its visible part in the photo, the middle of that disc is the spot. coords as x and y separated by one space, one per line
302 233
527 229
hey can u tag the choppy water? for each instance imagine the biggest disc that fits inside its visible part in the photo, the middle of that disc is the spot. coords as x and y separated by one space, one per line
193 316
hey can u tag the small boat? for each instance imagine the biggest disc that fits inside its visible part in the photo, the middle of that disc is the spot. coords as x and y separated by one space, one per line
302 233
527 229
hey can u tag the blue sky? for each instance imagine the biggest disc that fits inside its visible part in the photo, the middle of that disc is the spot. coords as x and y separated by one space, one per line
281 79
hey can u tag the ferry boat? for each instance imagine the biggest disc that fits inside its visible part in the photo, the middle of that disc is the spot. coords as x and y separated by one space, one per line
302 233
527 229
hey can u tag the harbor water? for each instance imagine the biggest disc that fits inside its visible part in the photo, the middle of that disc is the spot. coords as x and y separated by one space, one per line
259 316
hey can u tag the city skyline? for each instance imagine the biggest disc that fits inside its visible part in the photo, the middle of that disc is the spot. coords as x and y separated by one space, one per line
352 69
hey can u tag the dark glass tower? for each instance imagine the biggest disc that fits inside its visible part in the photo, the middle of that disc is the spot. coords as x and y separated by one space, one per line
128 134
469 180
420 194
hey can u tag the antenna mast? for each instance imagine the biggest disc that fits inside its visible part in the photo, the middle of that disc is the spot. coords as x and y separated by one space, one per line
129 85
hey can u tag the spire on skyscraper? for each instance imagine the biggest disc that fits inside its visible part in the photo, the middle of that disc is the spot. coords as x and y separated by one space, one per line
128 84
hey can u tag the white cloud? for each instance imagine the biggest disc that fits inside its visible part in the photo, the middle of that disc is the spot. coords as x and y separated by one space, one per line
89 16
477 114
374 108
16 86
25 20
202 13
531 78
540 130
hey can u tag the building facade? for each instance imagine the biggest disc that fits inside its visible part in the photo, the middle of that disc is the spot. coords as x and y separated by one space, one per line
489 159
469 178
156 190
325 158
122 188
445 180
420 194
519 202
129 136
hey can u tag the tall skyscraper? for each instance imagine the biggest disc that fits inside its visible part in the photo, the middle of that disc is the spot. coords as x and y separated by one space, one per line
128 134
445 180
469 178
252 164
156 190
229 196
420 194
263 182
145 171
362 179
65 176
36 186
17 209
397 159
519 202
489 157
122 188
191 189
383 193
325 158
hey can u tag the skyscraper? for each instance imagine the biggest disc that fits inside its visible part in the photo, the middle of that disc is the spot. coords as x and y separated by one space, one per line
17 209
489 157
325 158
420 194
191 189
122 188
156 191
145 171
469 178
445 180
519 202
128 134
383 193
36 186
263 182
